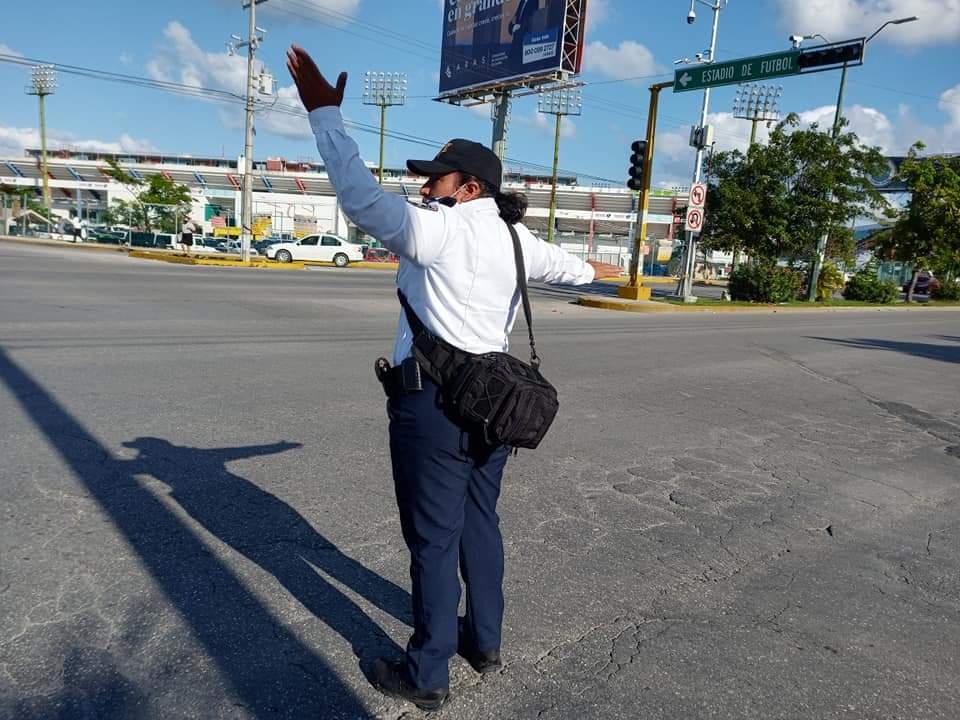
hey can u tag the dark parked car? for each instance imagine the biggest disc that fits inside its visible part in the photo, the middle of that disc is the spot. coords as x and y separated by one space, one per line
926 284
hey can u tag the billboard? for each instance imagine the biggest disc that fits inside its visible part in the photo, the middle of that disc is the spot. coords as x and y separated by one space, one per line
492 42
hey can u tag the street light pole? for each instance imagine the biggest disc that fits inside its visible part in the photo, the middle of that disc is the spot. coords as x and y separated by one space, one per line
685 286
384 90
43 82
820 255
559 103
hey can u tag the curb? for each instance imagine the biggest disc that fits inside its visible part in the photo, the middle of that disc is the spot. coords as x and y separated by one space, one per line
651 280
636 306
214 262
656 306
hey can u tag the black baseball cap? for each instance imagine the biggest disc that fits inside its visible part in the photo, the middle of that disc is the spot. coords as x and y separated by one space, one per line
464 156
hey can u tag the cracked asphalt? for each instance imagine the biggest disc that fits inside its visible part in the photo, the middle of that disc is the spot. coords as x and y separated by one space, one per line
735 516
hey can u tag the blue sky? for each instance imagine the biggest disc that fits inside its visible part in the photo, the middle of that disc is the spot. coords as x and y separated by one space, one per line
907 90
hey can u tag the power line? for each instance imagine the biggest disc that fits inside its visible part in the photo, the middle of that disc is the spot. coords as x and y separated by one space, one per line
234 98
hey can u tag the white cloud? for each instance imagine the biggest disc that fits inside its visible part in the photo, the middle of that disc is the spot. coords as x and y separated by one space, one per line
939 20
629 60
182 61
544 121
872 127
14 140
7 50
597 12
950 104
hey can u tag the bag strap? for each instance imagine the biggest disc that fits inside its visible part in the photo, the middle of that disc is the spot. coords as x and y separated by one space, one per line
416 325
522 286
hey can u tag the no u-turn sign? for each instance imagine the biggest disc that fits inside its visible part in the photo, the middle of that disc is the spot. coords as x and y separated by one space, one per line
694 220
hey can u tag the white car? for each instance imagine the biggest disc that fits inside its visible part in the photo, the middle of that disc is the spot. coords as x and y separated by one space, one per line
317 248
234 247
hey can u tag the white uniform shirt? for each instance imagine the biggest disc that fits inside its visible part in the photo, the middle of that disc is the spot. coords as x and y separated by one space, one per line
457 266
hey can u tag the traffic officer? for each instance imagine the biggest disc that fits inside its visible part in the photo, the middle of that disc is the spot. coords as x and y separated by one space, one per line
458 274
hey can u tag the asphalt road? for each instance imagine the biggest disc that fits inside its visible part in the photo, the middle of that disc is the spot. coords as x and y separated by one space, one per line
735 516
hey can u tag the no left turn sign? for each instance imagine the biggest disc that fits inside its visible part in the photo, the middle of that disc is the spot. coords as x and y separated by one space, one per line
698 195
694 220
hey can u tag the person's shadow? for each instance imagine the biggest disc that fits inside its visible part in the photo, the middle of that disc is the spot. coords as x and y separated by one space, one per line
276 537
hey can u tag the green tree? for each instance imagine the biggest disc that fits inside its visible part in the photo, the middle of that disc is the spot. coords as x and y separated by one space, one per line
927 232
158 202
777 200
167 203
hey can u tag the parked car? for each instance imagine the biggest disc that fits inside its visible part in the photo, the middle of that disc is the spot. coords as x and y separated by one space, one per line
926 284
380 255
166 240
317 248
234 248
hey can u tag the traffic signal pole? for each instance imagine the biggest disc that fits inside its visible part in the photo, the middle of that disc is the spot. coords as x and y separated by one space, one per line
634 290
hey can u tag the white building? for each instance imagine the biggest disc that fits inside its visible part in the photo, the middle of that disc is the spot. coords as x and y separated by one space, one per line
298 198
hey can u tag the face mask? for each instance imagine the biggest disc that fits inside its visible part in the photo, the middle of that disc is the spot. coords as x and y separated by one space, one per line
448 200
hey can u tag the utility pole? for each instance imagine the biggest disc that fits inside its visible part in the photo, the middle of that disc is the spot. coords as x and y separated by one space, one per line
43 83
634 290
255 37
560 102
501 118
685 286
797 41
384 90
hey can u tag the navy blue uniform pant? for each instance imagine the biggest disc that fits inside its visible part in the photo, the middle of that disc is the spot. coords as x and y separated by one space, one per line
447 485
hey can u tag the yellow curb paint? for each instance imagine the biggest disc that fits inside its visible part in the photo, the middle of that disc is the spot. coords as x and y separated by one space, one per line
211 262
637 306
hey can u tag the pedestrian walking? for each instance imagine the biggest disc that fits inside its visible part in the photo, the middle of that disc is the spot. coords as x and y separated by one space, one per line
458 283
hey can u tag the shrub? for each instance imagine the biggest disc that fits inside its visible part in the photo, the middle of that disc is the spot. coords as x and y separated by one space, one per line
829 282
765 283
865 286
947 291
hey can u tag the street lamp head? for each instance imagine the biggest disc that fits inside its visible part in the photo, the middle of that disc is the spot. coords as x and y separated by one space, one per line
901 21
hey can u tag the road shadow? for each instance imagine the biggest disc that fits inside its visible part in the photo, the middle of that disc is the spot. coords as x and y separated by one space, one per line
930 351
270 671
270 533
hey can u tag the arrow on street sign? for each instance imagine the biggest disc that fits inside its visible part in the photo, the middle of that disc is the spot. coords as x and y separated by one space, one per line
732 72
698 195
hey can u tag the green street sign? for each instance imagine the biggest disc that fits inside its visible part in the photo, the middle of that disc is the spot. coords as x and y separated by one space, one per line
732 72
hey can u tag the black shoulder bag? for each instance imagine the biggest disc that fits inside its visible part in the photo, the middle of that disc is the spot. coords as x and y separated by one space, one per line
506 400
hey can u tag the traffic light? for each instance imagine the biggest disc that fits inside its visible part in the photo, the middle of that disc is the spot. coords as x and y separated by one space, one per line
827 56
637 164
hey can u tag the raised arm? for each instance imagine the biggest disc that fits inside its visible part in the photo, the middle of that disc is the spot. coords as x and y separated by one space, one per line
411 231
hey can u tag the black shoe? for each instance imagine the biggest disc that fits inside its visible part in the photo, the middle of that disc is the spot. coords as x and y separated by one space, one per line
393 678
483 661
